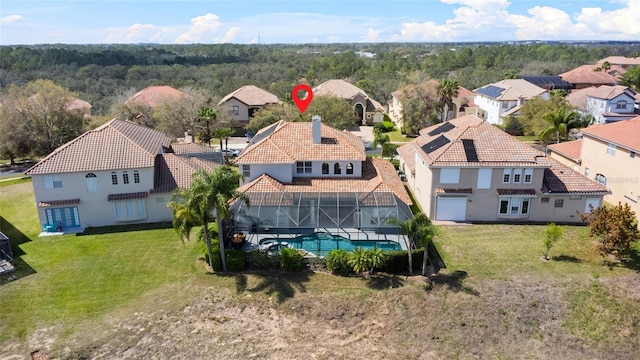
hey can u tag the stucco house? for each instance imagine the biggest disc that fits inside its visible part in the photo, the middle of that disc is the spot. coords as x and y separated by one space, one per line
606 103
608 154
584 76
505 98
303 177
244 102
469 170
369 111
621 61
118 173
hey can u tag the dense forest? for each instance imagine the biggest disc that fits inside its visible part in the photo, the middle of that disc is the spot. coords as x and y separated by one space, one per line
104 75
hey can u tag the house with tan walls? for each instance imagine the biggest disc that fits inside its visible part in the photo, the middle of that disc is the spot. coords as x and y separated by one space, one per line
608 154
241 104
305 177
584 76
469 170
119 173
369 111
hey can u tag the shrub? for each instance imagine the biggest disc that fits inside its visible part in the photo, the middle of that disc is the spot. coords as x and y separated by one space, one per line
263 261
397 262
385 126
552 234
338 262
291 260
513 127
366 260
236 260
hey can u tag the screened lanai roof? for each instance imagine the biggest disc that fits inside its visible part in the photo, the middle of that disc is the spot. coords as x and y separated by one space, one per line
320 209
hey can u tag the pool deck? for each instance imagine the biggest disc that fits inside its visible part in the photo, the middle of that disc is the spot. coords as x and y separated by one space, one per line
253 239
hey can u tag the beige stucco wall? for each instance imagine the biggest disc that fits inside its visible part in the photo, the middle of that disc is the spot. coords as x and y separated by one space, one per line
570 163
622 171
243 110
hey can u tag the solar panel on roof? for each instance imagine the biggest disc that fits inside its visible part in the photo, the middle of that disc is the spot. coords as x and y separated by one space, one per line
548 82
440 129
470 150
257 138
491 91
435 144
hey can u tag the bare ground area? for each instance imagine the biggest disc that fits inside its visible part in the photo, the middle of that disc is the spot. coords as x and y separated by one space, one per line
284 316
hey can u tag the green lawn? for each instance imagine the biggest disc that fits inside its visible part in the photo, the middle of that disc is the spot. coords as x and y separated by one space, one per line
73 281
14 180
396 136
499 251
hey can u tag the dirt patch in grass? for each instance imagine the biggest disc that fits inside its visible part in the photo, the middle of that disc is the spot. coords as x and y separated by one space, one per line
457 317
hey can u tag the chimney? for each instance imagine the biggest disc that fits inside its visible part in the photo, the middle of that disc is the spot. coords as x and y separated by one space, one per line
316 129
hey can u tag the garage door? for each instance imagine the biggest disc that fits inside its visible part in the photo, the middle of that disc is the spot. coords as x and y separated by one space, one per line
453 209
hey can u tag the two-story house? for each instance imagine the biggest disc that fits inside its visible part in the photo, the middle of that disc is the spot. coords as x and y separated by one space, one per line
584 76
369 111
303 177
505 98
468 170
241 104
608 154
606 103
118 173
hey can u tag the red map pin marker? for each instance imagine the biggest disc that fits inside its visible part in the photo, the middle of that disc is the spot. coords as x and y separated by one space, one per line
302 104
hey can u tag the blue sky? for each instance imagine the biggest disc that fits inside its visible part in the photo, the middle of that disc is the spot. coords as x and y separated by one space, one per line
314 21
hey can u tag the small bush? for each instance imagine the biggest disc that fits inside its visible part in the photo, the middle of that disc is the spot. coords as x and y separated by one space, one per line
291 260
236 260
362 260
338 262
385 126
263 261
397 262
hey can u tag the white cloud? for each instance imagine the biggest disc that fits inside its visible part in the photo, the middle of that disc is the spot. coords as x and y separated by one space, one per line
201 28
372 35
484 5
624 20
229 36
138 33
333 39
11 19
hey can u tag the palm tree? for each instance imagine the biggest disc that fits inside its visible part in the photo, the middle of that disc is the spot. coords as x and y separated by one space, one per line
225 132
446 91
560 121
196 205
208 115
415 230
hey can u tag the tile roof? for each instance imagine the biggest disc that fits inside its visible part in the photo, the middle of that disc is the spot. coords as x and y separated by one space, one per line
452 191
513 90
408 155
379 178
622 133
173 171
607 92
154 95
569 149
343 89
191 148
117 144
287 142
52 203
559 179
516 192
77 104
252 96
621 60
490 145
585 75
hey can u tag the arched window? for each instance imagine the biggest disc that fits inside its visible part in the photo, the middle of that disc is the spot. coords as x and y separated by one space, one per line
125 177
349 168
92 182
114 178
325 168
136 177
601 179
336 168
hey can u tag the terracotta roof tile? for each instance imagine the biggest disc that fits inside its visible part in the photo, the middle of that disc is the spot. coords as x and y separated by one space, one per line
128 196
449 191
252 96
516 192
408 155
623 133
561 179
585 75
570 149
289 142
343 89
514 90
173 171
621 60
117 144
154 95
379 177
191 148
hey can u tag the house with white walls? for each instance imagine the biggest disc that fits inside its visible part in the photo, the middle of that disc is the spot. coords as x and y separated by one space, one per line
505 98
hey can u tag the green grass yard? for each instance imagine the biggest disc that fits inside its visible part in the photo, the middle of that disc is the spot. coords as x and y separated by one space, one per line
75 284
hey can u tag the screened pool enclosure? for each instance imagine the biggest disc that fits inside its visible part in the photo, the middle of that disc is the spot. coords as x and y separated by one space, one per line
355 215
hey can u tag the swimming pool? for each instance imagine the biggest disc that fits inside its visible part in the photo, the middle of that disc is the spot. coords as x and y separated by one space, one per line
320 243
